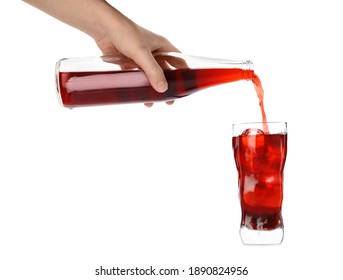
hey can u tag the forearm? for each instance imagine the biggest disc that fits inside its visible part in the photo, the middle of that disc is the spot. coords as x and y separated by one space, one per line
89 16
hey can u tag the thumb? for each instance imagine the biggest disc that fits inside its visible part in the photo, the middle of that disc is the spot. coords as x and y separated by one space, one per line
152 70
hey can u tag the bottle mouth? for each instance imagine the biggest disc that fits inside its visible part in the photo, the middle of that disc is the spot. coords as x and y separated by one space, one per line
248 70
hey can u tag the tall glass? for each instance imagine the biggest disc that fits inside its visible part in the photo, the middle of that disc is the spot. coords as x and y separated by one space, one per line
260 153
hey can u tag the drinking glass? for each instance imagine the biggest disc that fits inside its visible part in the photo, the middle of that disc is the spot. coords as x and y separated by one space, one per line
260 150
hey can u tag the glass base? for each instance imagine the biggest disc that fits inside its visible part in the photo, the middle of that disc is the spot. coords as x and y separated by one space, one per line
261 237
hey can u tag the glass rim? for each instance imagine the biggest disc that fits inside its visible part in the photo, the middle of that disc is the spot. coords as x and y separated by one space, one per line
272 127
271 122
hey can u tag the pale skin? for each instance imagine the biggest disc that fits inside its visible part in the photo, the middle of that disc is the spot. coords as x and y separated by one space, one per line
113 32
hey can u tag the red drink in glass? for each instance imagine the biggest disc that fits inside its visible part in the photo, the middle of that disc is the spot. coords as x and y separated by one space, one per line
260 159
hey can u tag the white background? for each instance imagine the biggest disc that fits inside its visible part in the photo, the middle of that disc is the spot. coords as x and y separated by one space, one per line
131 186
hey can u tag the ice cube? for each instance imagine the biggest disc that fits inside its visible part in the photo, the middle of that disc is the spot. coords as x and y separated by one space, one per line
253 139
252 131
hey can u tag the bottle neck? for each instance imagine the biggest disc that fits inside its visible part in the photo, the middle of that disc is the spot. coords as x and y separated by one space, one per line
180 60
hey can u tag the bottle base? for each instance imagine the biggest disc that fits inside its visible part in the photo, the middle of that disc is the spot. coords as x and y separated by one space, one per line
261 237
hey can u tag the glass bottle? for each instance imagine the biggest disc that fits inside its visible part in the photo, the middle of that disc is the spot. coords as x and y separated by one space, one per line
117 79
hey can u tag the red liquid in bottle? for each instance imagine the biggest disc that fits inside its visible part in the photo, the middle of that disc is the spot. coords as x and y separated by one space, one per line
113 87
260 162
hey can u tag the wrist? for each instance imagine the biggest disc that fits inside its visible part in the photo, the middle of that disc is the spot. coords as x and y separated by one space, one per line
104 20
